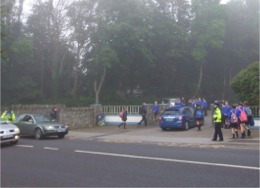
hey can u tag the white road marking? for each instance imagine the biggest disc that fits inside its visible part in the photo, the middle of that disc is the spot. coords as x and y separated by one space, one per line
24 146
50 148
166 159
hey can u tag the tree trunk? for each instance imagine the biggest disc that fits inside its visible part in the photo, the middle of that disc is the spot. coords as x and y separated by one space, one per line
76 78
200 80
98 86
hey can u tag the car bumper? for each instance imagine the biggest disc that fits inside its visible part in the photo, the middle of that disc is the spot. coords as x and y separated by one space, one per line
10 138
56 132
172 125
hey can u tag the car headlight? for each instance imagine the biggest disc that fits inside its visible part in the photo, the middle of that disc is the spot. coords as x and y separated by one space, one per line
49 127
17 130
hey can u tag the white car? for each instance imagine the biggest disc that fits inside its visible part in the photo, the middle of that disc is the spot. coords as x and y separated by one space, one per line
171 101
9 133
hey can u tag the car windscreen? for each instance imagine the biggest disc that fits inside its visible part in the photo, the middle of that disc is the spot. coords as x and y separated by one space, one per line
4 121
40 118
172 112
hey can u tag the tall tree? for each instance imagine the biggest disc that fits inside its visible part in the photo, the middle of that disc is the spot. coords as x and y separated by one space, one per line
208 31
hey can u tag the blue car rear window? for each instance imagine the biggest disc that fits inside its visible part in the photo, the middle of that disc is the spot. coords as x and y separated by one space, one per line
171 112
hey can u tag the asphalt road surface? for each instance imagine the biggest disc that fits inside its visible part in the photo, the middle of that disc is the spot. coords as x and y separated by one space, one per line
99 163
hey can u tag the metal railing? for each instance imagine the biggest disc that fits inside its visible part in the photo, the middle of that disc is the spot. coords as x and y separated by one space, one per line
132 109
255 111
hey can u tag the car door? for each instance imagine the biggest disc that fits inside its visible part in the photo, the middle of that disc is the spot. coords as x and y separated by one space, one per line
29 125
190 116
19 122
26 125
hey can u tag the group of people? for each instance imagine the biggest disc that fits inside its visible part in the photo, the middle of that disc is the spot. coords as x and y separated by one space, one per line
142 112
237 117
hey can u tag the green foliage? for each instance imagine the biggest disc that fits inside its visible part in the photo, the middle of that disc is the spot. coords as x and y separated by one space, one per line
158 46
246 84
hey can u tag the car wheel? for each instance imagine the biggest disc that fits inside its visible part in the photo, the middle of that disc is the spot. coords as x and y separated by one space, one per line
38 134
61 135
187 126
164 129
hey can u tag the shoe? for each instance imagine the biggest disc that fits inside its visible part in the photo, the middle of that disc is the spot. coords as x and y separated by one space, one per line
220 140
213 140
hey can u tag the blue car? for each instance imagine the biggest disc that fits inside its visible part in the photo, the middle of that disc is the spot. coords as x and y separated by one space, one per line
178 117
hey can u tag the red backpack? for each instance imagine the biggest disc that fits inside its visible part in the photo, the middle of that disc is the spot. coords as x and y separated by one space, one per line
121 114
243 116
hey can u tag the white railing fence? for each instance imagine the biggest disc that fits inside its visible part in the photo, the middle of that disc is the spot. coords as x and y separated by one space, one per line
116 109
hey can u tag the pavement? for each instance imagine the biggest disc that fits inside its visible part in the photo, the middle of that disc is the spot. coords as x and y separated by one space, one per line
154 135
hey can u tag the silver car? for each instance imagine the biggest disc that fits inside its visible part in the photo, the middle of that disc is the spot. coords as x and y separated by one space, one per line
40 126
9 133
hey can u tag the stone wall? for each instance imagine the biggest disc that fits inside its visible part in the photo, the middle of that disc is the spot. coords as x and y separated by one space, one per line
74 117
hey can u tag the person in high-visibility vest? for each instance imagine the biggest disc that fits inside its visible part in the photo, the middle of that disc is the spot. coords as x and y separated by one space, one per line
8 115
217 119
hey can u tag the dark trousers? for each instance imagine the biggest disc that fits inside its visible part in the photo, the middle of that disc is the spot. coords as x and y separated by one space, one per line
218 131
205 111
143 120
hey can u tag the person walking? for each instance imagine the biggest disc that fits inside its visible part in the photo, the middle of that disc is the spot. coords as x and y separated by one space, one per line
217 119
242 119
198 116
233 119
155 110
143 112
123 117
8 115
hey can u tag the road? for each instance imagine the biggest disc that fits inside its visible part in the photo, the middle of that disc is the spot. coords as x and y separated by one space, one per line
101 162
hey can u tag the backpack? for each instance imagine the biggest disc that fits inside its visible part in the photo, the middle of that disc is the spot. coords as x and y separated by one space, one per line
121 114
233 118
199 114
243 116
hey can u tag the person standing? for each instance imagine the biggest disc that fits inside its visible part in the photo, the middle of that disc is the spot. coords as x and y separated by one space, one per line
217 119
198 116
155 110
205 106
225 111
183 101
8 115
249 117
54 113
143 112
124 117
233 119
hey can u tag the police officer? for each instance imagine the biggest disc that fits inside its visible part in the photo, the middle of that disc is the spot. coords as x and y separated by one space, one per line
217 119
8 115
